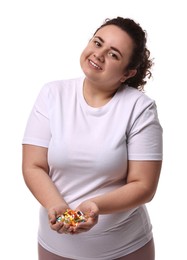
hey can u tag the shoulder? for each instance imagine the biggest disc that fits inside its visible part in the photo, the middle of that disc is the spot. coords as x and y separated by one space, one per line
57 90
136 99
58 86
136 95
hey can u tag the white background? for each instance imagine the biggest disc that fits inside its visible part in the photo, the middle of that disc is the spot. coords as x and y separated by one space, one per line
41 40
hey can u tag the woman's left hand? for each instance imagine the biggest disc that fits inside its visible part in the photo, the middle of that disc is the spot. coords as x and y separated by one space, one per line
91 212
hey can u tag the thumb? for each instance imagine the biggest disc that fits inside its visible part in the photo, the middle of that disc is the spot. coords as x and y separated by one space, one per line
52 216
93 214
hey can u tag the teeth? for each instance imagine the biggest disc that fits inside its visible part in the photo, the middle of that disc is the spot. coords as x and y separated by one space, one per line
96 66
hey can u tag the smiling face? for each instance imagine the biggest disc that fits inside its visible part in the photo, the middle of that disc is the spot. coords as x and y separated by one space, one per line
106 56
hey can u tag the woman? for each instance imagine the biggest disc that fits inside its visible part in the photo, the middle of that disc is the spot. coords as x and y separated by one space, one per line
94 144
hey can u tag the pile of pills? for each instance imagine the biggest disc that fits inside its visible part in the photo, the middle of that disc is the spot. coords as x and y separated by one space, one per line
72 217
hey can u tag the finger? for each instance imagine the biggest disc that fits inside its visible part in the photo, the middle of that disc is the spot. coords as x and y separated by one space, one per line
56 226
82 227
52 216
93 215
64 229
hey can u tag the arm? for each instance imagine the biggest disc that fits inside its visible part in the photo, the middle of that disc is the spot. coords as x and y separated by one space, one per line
142 180
140 187
35 172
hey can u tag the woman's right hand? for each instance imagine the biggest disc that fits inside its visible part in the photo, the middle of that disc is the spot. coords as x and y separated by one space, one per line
53 214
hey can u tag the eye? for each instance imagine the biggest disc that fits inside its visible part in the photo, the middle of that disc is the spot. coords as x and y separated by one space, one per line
97 43
113 55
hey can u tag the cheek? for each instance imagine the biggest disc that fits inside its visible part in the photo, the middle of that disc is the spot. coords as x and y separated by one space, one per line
83 56
116 70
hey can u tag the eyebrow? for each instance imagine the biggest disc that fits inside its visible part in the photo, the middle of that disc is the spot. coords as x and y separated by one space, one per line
113 48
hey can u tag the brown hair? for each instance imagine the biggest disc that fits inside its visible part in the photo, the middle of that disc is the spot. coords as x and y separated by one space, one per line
140 59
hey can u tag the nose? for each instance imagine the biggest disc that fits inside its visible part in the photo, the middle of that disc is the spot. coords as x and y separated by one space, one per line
99 56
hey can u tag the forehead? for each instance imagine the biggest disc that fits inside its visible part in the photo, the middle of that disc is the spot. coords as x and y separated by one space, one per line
114 36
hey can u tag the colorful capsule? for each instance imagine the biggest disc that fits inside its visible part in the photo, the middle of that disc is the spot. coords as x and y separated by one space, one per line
72 217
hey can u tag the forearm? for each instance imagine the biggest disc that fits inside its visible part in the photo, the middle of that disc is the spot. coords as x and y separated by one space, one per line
42 187
125 198
35 172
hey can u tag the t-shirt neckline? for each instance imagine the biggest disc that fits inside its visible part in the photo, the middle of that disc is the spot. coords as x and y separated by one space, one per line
96 110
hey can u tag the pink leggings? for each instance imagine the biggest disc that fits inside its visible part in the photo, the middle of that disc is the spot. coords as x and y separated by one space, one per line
146 252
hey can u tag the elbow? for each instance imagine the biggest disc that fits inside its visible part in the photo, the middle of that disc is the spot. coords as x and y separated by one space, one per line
149 195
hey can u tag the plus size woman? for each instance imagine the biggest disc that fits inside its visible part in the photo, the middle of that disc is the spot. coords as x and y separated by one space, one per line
94 144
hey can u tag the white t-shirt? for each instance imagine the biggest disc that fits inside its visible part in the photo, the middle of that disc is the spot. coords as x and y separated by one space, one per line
88 150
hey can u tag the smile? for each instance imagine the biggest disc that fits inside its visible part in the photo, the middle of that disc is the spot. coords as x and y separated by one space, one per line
94 65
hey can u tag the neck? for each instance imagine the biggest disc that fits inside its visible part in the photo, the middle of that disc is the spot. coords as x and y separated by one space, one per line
97 96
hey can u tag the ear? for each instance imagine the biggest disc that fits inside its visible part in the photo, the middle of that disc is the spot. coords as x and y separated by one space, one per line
128 74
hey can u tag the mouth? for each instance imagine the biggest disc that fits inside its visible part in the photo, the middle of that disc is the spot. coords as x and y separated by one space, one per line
94 65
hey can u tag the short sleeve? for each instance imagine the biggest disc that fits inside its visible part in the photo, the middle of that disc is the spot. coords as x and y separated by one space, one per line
37 131
144 140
